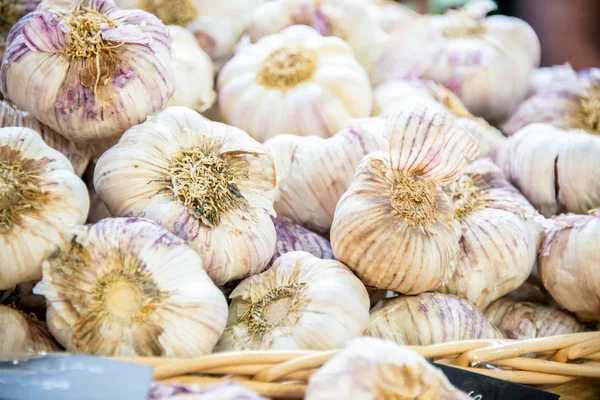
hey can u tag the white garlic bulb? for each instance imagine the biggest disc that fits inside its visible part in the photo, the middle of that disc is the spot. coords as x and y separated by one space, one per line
21 334
294 82
486 62
78 155
293 237
301 302
555 169
313 173
41 198
206 182
372 369
394 226
127 287
104 69
570 264
501 235
194 80
430 318
401 93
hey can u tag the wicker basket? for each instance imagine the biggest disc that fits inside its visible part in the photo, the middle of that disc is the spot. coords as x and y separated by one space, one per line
568 365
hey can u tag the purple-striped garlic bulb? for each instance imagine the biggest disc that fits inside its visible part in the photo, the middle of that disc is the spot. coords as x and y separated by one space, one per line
313 173
86 68
501 235
10 12
293 237
557 170
394 226
401 93
430 318
527 320
208 183
570 263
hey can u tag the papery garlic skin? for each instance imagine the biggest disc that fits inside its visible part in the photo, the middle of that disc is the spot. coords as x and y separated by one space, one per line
313 173
104 69
526 320
402 93
194 80
295 82
394 226
301 302
390 14
78 155
293 237
41 198
430 318
501 235
125 286
21 334
372 369
486 62
206 182
570 264
555 169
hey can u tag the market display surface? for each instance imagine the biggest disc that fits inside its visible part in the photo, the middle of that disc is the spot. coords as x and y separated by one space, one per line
319 199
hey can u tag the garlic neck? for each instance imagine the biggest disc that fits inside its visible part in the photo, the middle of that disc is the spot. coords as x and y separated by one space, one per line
287 67
171 12
414 200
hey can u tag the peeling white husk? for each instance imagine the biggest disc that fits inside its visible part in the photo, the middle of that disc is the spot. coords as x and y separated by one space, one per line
293 237
206 182
22 335
301 302
295 82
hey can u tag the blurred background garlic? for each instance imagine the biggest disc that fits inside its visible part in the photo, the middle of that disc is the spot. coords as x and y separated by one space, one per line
484 61
570 264
293 237
389 14
544 78
301 302
294 82
22 334
354 21
501 235
194 75
206 182
140 290
557 170
526 320
41 198
372 369
394 226
104 69
430 318
401 93
78 155
313 173
10 12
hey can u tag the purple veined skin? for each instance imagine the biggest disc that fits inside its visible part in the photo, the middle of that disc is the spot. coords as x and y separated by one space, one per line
90 84
293 237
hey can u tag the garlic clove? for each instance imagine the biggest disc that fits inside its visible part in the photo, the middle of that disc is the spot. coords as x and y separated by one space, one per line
140 289
370 369
21 334
293 237
301 302
430 318
41 198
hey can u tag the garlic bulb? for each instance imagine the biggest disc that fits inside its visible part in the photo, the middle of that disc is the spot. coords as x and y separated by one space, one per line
484 61
41 198
293 237
401 93
293 82
372 369
77 154
556 170
206 182
390 14
86 68
570 264
313 173
501 235
10 12
139 289
194 81
350 20
301 302
548 78
526 320
430 318
22 333
394 226
227 390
